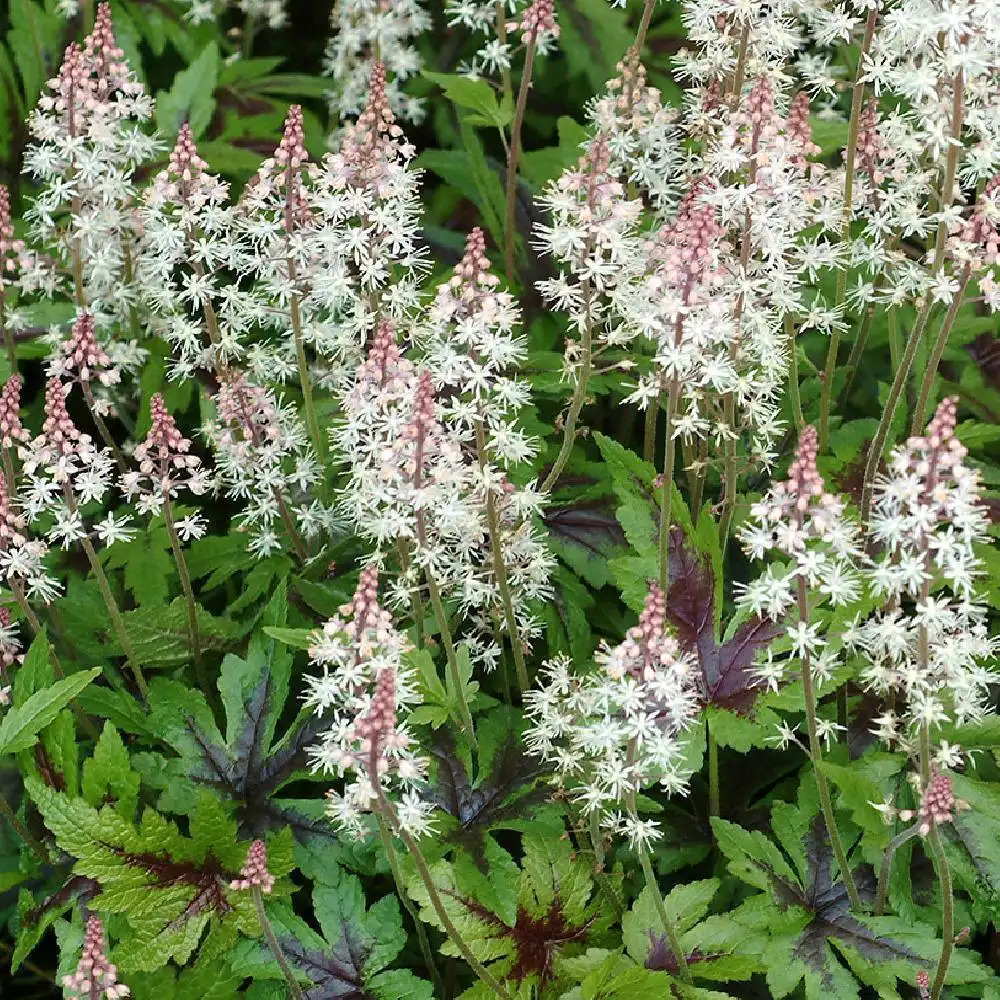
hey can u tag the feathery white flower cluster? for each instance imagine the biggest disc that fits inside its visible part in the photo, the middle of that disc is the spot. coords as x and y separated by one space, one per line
615 731
930 645
87 139
186 250
273 13
592 239
817 550
498 21
21 556
362 29
420 469
332 246
10 645
63 472
365 692
262 457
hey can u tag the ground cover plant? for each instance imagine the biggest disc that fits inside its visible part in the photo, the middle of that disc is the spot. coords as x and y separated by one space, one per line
497 499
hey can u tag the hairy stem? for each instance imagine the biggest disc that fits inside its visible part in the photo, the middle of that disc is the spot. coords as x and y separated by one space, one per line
499 567
185 577
272 942
666 493
446 640
397 877
669 928
930 372
640 35
857 96
816 753
713 772
117 622
579 395
649 428
305 380
793 373
882 892
102 427
940 860
8 336
36 846
509 235
388 812
895 391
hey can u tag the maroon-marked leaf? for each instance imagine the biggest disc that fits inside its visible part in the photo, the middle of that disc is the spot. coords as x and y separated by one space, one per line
727 678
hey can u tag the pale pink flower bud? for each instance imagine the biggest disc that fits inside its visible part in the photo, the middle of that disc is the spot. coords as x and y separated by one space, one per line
165 450
371 145
11 429
83 356
871 148
107 60
11 249
800 131
923 983
59 434
95 977
254 872
938 803
539 21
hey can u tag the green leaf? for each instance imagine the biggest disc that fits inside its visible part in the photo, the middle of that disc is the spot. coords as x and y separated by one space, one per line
190 99
36 672
632 481
477 96
540 166
34 39
160 635
109 772
830 134
20 727
297 638
556 910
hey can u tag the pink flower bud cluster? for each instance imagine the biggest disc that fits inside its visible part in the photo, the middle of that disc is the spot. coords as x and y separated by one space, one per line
538 24
82 357
646 647
12 431
12 251
799 130
278 184
872 149
186 179
978 241
95 977
254 874
60 437
164 456
372 146
938 804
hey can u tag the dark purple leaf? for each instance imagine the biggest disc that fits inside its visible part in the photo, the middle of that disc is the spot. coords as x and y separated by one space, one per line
590 525
336 973
727 678
505 795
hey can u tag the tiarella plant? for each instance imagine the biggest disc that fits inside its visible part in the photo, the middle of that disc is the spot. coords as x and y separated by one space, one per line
497 499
